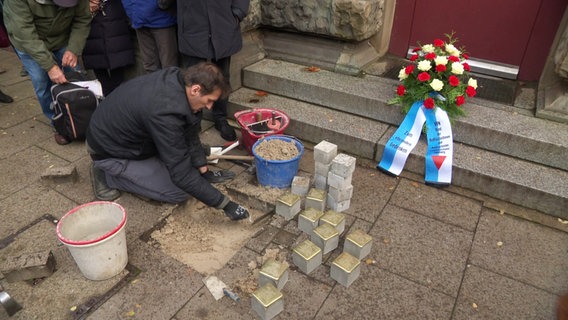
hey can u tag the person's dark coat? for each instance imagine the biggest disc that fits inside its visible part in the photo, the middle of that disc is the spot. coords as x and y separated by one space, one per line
109 45
150 116
210 29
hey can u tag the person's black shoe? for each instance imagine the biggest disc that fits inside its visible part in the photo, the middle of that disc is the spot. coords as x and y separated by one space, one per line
218 176
227 132
100 187
4 98
235 211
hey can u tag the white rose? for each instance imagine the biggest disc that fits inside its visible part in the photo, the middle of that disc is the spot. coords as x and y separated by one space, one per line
437 85
427 48
402 74
452 50
457 68
472 82
441 60
424 65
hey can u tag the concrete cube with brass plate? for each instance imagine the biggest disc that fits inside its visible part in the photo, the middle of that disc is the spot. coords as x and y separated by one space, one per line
345 269
326 237
316 199
288 205
358 244
335 219
308 220
307 256
273 272
267 301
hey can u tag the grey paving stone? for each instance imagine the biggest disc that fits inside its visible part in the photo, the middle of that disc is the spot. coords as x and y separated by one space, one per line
21 136
28 204
420 248
203 305
529 252
369 200
488 295
438 204
56 295
379 294
260 240
140 299
25 167
303 296
19 111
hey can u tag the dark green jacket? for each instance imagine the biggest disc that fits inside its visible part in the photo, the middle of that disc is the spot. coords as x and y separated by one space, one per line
38 27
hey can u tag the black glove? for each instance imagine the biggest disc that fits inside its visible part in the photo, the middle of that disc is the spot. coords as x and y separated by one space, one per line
235 211
218 176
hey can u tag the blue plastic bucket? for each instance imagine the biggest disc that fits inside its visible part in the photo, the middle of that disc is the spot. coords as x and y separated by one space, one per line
277 173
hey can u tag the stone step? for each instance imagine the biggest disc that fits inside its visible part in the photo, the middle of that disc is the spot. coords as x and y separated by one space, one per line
502 131
504 177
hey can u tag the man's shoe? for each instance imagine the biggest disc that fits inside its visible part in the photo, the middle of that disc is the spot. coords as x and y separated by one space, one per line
227 132
218 176
100 187
60 140
4 98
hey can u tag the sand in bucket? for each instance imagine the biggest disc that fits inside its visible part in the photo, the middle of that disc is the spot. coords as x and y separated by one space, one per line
95 236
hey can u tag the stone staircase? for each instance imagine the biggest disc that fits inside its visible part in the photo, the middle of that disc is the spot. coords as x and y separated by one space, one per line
505 154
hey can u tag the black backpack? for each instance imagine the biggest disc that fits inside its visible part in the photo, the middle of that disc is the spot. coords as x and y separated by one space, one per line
73 107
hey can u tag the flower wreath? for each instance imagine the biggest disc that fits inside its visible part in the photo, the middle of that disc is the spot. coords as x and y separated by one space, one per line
438 71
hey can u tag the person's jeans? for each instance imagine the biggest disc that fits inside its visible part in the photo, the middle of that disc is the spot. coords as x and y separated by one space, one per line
40 79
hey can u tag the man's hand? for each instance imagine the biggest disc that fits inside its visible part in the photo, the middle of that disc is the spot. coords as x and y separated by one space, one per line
69 59
235 211
56 75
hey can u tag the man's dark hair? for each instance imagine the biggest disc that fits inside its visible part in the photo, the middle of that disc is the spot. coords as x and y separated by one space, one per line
209 77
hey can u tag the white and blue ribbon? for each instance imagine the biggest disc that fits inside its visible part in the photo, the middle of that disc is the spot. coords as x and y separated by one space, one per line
440 147
403 140
440 144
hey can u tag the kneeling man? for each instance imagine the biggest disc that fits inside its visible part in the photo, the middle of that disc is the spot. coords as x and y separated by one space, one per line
144 138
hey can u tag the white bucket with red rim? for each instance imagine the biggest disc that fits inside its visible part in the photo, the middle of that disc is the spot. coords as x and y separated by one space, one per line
95 236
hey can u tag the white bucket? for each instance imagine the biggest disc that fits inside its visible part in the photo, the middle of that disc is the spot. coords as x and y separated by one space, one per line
95 236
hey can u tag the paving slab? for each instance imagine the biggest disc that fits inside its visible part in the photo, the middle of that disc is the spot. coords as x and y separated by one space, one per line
54 296
29 204
18 111
25 167
21 136
488 295
438 204
420 248
371 192
379 294
144 297
521 250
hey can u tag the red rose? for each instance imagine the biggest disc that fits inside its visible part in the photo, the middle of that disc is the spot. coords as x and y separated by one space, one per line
423 76
409 69
470 91
400 90
466 66
441 68
414 57
454 81
416 49
429 103
454 59
438 43
460 100
465 56
430 56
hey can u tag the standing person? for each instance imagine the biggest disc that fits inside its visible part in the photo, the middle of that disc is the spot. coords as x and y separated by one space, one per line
109 48
144 139
47 37
210 30
4 98
156 33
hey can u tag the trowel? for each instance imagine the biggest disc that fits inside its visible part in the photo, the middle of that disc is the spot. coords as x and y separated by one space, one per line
9 304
